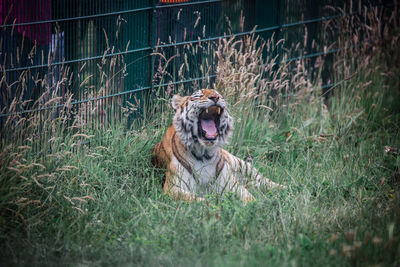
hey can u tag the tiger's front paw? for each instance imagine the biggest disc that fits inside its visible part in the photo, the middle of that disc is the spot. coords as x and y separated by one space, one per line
248 198
200 199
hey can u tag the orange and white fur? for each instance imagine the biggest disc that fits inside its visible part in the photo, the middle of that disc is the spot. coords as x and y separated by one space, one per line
191 151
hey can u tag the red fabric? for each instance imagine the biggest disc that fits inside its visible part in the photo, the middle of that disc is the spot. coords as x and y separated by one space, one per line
173 1
24 11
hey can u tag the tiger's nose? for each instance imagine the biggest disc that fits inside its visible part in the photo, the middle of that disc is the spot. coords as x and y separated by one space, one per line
214 98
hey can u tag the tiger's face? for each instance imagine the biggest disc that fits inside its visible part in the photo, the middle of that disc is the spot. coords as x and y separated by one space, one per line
202 118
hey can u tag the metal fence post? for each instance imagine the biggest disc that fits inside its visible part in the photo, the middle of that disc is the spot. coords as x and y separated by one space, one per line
152 43
280 23
147 94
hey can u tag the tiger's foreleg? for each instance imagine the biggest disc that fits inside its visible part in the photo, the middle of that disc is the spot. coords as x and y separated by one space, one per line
173 187
243 193
229 183
250 176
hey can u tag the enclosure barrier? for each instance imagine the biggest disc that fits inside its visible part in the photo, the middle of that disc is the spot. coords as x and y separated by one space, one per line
107 50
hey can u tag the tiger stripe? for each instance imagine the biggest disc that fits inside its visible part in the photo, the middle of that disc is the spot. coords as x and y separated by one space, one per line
220 165
179 157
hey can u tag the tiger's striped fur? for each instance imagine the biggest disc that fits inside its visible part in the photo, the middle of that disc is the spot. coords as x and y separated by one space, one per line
191 151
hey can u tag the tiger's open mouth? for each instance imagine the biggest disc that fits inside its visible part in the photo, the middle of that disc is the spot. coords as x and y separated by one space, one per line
209 122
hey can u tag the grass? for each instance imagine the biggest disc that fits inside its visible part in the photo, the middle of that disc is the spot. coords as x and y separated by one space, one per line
341 207
101 202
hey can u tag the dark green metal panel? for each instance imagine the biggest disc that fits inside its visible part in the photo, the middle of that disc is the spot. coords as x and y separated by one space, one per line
266 14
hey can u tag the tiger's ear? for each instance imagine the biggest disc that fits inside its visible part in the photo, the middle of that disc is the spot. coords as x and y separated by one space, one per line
177 101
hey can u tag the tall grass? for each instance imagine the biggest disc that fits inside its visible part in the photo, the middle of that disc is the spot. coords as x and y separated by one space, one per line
102 204
41 137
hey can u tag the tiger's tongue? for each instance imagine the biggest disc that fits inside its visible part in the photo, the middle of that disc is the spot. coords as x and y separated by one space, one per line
209 127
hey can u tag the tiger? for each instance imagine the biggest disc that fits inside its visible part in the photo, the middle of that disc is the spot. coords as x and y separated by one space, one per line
192 155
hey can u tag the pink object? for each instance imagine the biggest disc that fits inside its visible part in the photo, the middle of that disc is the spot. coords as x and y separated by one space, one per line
209 127
25 11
